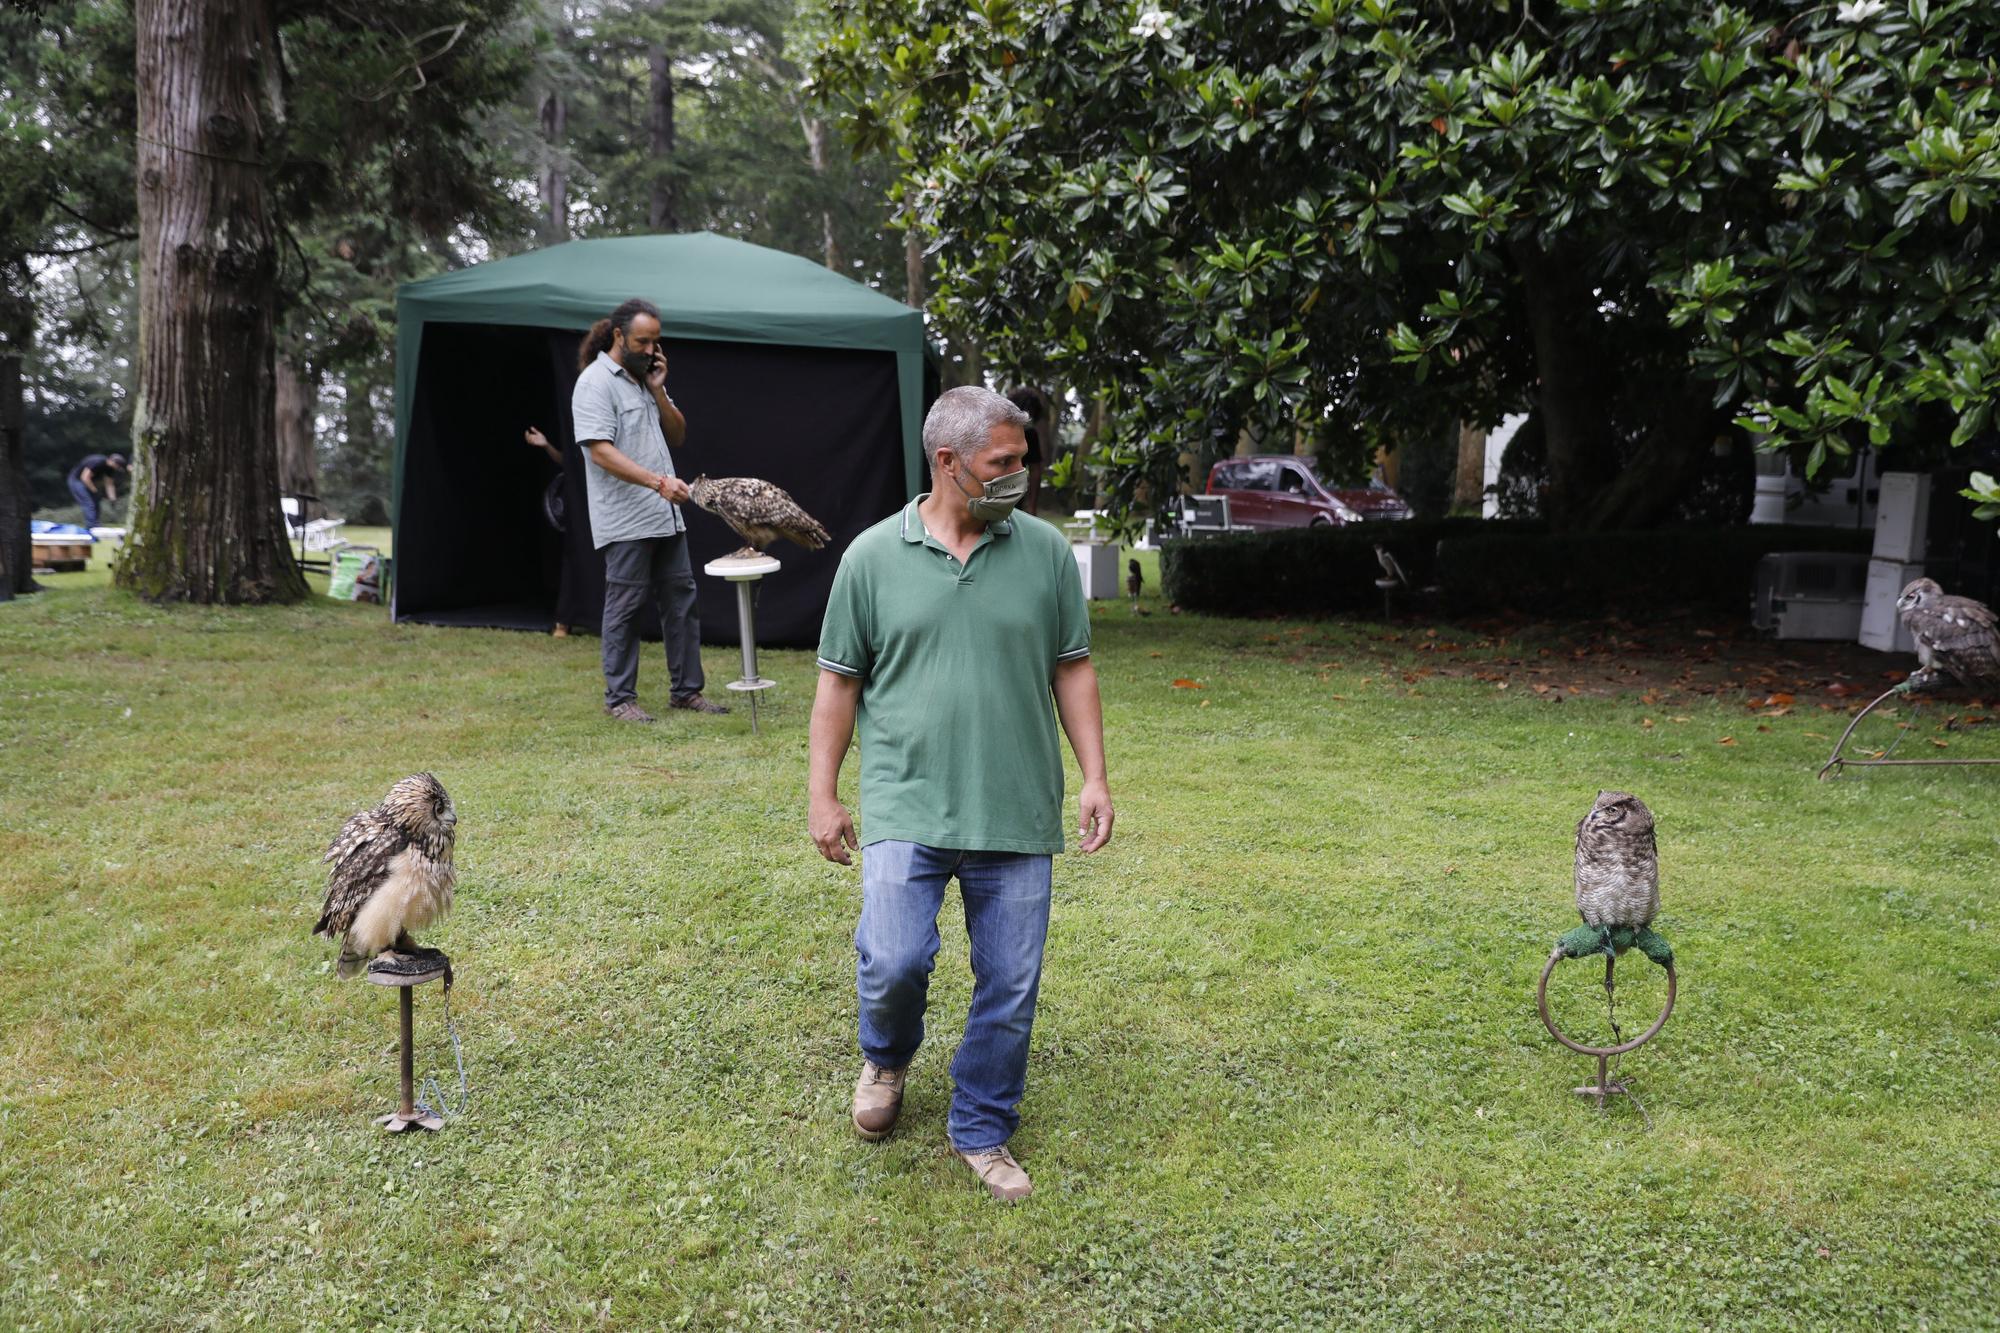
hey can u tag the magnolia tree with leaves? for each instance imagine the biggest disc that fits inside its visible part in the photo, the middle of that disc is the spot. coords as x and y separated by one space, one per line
1655 224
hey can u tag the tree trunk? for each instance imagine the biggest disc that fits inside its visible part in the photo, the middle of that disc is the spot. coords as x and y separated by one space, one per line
1469 489
816 152
298 459
554 181
205 524
1660 471
913 268
664 214
1575 411
17 333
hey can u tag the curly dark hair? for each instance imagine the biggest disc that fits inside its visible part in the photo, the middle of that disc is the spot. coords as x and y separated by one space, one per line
599 337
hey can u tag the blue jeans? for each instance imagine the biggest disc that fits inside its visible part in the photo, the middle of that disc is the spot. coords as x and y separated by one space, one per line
83 495
1007 917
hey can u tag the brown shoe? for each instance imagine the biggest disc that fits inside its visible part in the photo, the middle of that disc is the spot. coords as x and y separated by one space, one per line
694 703
1003 1176
878 1100
629 711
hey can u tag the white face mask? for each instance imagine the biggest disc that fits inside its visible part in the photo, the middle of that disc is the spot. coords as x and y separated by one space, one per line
995 502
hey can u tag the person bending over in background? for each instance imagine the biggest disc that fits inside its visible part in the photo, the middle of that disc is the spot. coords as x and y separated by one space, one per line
96 476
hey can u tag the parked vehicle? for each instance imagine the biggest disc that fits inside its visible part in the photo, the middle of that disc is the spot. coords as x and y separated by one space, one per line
1283 491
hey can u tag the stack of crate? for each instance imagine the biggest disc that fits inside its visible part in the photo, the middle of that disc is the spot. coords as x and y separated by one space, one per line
1902 522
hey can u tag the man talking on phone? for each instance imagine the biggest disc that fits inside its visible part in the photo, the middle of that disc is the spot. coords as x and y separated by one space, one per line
627 427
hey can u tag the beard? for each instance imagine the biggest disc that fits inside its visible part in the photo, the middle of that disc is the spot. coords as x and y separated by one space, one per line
637 364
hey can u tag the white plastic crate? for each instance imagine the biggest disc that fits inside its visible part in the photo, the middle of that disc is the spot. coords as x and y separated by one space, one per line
1881 627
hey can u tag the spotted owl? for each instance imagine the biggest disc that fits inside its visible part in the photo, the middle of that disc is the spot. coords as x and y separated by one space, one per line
760 512
1955 635
391 873
1617 864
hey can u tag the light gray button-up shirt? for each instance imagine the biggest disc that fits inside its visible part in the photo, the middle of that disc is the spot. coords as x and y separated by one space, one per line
608 404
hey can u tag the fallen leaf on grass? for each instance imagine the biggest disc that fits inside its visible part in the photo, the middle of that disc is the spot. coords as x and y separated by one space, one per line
1183 683
1818 736
1341 697
1763 727
1727 740
1840 689
1679 720
1646 722
1940 742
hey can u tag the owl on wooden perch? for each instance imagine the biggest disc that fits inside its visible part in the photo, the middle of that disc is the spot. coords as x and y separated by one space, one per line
392 874
758 511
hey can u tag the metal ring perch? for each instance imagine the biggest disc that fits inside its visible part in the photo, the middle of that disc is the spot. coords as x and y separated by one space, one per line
1606 1085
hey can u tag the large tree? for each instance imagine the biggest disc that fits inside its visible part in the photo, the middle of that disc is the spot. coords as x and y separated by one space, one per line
205 525
254 144
1639 218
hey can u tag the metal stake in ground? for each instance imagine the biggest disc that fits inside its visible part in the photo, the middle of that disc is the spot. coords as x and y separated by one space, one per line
407 973
746 572
1607 1085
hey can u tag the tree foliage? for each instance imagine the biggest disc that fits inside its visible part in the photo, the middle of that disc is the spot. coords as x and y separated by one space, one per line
1640 218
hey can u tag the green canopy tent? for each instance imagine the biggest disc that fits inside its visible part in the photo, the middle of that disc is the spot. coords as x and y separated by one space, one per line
784 369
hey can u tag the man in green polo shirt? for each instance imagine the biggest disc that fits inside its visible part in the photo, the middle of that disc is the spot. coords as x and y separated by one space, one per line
950 627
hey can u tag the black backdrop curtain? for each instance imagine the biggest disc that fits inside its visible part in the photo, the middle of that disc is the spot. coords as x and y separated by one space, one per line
473 547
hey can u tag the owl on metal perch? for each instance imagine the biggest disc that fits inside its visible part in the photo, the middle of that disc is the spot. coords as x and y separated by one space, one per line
758 511
1955 635
1617 881
392 874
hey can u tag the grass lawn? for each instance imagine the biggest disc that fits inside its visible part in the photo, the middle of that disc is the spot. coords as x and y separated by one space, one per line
1287 1070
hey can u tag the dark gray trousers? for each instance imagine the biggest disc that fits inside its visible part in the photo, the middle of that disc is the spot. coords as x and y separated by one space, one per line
651 572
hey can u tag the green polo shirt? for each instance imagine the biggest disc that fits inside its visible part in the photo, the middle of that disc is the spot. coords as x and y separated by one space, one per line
957 718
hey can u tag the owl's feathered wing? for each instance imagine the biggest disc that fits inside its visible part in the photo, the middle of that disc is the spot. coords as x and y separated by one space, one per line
760 512
1617 876
361 855
1960 635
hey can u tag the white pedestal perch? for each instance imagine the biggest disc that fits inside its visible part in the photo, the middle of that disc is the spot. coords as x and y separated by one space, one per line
744 572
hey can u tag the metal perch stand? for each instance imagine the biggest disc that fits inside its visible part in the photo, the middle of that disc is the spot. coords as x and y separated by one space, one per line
408 1115
1606 1085
1839 761
746 572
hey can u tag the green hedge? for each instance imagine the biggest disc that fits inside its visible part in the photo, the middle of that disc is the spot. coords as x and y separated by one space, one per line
1483 566
1306 570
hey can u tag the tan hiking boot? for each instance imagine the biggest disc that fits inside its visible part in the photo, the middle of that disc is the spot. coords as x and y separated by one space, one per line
878 1100
1003 1176
629 711
695 703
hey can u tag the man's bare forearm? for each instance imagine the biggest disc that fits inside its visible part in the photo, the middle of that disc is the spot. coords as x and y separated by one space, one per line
672 424
1082 714
835 703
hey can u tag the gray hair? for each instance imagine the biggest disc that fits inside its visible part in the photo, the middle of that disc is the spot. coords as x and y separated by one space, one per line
962 420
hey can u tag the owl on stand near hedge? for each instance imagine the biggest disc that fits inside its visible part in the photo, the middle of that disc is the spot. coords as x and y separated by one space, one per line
1955 636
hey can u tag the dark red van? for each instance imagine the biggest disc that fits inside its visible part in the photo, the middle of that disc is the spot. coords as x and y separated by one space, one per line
1282 491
